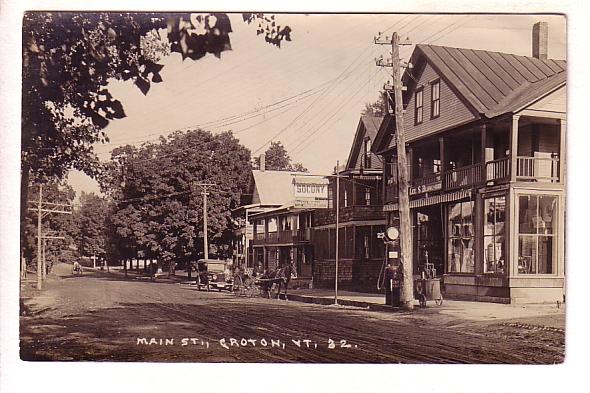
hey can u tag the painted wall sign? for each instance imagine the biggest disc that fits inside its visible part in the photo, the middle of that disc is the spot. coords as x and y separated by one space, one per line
310 192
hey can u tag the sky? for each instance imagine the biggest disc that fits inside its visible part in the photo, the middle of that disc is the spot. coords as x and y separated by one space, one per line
307 94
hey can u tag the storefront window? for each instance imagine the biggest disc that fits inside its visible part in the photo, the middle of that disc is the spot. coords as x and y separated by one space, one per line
494 245
461 255
537 240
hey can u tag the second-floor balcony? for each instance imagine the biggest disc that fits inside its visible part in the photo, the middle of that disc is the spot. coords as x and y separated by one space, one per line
283 237
528 169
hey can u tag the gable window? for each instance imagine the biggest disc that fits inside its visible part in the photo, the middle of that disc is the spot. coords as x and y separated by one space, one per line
367 153
435 99
419 103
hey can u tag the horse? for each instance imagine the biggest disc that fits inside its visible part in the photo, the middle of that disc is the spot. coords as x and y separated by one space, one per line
279 277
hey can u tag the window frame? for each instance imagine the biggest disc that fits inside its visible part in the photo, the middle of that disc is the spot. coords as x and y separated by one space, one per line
494 235
368 196
435 82
419 90
461 237
554 235
367 152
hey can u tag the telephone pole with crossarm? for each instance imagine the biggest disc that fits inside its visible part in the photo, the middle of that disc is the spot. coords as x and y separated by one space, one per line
407 292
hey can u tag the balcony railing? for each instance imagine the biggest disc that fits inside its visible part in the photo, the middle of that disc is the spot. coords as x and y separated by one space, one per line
544 169
498 169
280 237
426 184
463 177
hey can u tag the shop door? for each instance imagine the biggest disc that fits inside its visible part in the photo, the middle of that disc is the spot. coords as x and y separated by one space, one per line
429 239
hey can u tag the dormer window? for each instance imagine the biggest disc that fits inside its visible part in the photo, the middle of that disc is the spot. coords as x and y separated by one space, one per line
419 106
435 99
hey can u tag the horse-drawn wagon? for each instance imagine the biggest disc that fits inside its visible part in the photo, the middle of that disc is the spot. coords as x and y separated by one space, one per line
266 284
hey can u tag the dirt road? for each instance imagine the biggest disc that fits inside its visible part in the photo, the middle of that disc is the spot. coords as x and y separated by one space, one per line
101 316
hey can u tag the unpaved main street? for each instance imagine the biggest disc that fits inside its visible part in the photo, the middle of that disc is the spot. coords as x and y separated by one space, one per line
101 316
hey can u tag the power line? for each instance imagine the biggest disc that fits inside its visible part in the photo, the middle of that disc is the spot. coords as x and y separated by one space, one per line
311 91
310 105
308 138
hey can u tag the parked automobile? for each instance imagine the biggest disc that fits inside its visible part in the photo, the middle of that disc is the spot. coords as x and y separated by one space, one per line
213 273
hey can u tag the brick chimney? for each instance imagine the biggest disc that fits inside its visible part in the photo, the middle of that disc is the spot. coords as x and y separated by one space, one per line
262 165
540 37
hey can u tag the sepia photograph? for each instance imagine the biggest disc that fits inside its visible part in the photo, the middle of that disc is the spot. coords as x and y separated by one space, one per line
269 187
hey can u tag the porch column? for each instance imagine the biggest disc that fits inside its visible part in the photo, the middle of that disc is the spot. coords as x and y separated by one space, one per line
441 154
410 164
562 142
483 131
513 146
353 199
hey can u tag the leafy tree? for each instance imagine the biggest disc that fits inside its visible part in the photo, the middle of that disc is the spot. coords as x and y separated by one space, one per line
70 57
377 108
91 218
160 204
277 159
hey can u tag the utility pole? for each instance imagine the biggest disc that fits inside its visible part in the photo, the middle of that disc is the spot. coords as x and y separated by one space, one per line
59 208
337 224
205 193
407 293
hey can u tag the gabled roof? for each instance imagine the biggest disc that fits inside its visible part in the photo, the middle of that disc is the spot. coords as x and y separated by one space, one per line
367 127
273 188
493 83
384 135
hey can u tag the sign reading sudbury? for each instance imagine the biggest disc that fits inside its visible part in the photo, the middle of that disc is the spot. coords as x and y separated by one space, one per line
310 192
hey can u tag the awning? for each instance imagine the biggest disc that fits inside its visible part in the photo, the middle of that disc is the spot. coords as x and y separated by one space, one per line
433 200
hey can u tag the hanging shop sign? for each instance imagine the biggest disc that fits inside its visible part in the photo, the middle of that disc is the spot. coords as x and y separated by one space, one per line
310 192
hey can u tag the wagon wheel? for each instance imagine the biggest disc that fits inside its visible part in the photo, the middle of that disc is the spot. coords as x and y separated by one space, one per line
439 301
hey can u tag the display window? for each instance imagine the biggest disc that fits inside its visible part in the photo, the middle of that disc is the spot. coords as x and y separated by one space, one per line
461 240
537 235
494 235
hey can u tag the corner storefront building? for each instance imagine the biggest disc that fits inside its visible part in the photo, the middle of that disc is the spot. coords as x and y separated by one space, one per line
485 136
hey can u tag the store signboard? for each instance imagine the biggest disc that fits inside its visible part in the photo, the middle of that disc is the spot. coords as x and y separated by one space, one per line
434 185
249 231
310 192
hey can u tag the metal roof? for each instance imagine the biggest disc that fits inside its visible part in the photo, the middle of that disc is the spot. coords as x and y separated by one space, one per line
494 83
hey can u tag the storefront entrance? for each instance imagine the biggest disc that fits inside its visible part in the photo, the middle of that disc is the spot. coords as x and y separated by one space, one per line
429 235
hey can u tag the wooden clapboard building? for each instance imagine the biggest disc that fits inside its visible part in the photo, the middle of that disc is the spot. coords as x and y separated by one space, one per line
485 136
361 217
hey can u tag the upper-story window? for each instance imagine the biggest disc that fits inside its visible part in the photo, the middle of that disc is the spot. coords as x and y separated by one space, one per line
419 102
367 196
367 153
435 99
345 198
